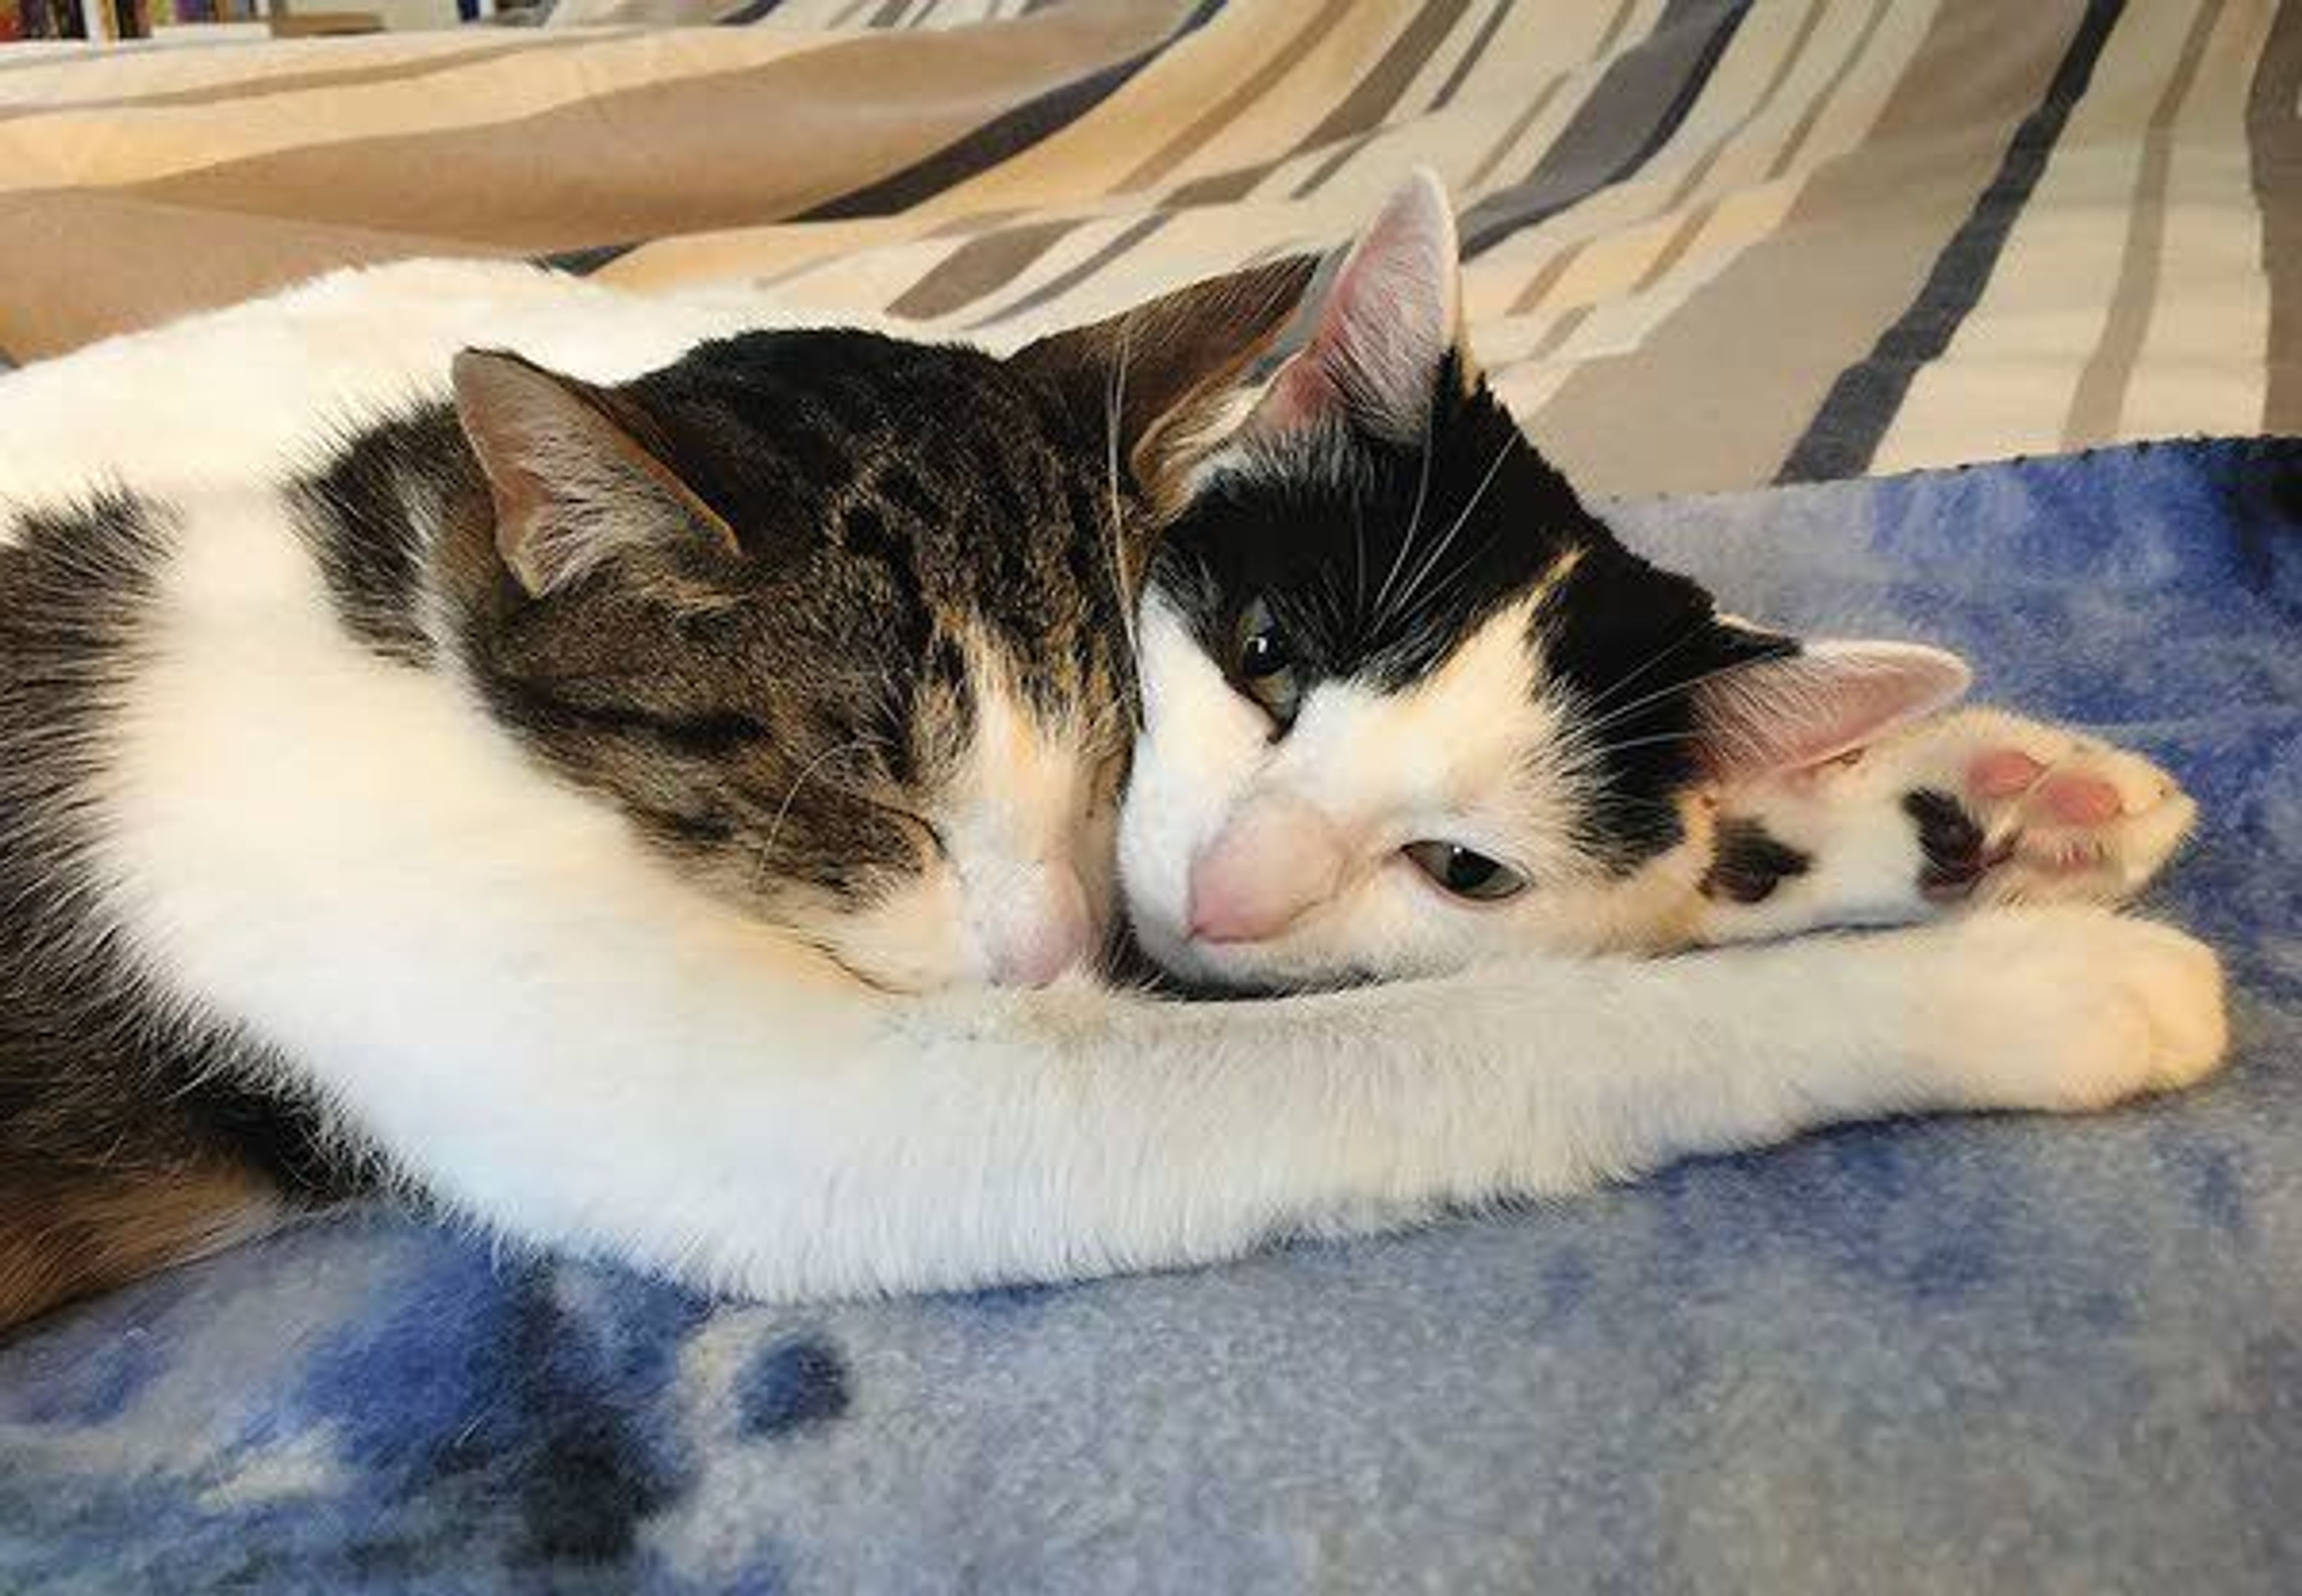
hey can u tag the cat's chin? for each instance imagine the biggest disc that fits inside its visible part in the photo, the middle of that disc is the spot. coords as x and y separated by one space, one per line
1187 966
1182 960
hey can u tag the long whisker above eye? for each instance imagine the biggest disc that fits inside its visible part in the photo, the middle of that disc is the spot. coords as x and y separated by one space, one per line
1622 711
1413 527
1123 584
1439 589
1624 681
1358 542
768 845
1430 562
1608 750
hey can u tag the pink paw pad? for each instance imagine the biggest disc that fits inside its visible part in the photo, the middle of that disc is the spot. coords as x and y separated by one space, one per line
2048 815
2078 800
2002 773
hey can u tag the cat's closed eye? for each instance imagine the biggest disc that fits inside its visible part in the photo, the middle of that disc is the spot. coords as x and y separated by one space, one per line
1464 873
1265 666
925 837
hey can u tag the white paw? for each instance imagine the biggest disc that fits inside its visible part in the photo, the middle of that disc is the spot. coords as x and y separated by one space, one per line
2069 1009
2013 811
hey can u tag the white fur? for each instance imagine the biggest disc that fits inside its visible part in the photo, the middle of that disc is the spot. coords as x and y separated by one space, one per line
232 396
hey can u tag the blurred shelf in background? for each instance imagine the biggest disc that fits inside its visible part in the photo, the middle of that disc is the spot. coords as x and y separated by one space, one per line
204 21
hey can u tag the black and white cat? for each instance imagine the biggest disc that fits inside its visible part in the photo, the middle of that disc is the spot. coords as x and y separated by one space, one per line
1409 706
471 813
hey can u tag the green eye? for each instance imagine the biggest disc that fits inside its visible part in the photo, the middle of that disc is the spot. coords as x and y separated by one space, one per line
1464 874
1263 663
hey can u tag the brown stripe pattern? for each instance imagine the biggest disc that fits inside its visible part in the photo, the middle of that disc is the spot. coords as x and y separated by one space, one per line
1710 243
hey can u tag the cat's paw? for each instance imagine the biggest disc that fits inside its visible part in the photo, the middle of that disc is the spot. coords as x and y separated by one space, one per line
2009 811
1971 809
2069 1009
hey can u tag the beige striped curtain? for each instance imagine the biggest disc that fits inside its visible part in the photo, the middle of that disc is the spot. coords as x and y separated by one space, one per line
1710 243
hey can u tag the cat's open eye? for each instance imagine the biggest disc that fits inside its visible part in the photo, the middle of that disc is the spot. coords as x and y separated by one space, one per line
1263 663
1465 874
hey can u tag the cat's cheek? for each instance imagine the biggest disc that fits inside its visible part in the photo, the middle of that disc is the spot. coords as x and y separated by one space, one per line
1403 923
1155 848
914 939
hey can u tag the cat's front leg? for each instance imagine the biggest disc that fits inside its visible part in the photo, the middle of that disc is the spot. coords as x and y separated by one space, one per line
1973 809
1082 1132
691 1102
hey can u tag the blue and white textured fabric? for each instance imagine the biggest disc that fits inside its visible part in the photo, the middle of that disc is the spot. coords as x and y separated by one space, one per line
2007 1355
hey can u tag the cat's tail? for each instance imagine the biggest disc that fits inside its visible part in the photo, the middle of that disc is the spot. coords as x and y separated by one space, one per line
69 1230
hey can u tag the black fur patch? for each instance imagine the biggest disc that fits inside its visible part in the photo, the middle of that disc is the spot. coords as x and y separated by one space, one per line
1951 844
1748 862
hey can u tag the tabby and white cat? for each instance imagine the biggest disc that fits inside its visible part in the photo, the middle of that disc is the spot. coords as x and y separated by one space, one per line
509 808
797 663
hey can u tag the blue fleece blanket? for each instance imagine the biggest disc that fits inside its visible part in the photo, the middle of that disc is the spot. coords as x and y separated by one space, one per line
2010 1355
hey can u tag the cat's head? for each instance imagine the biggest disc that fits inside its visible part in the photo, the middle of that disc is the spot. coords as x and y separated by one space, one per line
839 620
1408 705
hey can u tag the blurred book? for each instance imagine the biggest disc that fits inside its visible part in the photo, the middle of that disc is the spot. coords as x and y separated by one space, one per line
42 19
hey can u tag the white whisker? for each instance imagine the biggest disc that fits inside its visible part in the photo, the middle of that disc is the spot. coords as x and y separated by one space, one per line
1608 750
1622 711
1359 541
1439 549
1414 526
774 827
1114 407
1649 662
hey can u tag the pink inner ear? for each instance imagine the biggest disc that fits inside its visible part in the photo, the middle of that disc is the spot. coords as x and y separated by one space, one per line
1299 397
1781 714
1386 326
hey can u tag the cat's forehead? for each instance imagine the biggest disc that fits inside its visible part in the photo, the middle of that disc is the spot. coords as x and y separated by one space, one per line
807 416
892 493
869 368
1380 557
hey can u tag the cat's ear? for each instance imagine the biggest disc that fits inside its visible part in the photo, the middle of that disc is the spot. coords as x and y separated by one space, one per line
1790 704
1389 331
1163 375
573 487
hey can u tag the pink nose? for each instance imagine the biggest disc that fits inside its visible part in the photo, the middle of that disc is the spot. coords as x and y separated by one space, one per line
1040 927
1264 872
